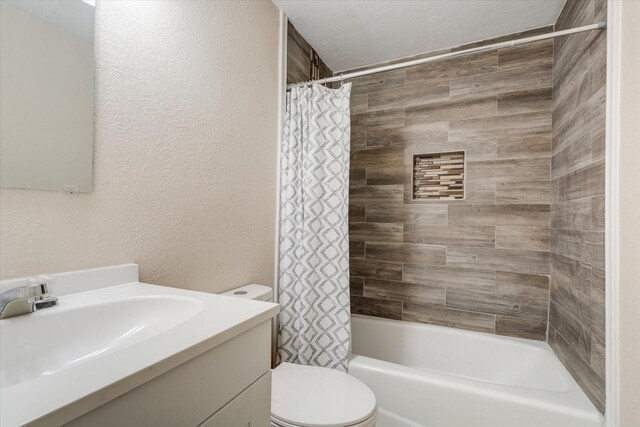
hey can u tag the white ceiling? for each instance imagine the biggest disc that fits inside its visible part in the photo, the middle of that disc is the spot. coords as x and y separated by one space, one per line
352 33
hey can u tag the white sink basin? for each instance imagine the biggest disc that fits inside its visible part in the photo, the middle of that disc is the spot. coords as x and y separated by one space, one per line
108 335
57 338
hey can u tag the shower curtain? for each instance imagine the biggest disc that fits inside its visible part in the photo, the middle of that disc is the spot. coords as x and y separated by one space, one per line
315 323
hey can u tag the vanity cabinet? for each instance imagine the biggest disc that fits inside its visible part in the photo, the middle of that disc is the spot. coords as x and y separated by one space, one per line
228 385
248 409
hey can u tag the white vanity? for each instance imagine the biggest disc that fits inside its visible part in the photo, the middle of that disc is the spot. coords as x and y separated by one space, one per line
116 352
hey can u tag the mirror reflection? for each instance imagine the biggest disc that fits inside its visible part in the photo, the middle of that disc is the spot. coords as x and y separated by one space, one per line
47 94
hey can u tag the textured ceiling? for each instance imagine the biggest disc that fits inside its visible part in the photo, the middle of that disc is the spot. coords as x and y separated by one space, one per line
353 33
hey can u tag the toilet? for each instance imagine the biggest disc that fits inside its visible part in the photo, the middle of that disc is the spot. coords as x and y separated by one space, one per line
311 396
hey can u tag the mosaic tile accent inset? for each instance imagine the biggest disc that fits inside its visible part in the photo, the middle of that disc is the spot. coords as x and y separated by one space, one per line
438 176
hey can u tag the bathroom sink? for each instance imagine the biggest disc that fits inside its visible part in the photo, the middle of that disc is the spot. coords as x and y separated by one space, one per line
51 340
108 335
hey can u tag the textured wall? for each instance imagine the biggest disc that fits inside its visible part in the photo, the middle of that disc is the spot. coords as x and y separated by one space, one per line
577 312
481 263
185 152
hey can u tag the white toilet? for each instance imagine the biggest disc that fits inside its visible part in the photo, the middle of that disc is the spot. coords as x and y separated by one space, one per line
310 396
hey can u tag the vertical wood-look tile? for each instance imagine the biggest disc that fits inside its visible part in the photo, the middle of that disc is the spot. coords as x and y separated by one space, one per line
598 356
570 328
589 381
572 214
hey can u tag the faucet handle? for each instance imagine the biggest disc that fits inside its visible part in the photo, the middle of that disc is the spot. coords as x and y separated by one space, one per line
36 289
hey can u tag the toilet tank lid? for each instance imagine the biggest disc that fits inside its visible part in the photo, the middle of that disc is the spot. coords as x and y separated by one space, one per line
252 291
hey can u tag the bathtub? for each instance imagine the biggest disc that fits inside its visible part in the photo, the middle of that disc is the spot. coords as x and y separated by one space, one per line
425 375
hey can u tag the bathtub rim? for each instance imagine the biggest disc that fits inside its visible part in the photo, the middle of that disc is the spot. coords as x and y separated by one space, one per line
579 403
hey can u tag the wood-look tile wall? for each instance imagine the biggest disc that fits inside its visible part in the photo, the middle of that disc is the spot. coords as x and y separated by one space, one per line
529 234
481 263
303 63
577 320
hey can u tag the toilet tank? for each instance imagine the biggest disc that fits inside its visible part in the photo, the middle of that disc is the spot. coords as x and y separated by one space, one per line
252 291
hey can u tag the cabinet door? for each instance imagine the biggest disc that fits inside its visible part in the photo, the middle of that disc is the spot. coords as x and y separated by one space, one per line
189 393
251 408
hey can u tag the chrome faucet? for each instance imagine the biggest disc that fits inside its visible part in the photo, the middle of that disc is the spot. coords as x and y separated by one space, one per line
25 299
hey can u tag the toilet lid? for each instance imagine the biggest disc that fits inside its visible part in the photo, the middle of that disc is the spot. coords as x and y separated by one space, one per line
319 397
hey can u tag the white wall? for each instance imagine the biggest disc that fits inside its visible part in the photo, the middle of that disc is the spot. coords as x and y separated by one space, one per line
46 108
629 222
185 153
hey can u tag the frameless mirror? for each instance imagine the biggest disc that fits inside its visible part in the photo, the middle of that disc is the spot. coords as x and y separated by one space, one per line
47 94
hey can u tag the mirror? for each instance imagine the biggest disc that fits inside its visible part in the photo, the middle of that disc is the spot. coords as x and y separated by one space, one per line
47 94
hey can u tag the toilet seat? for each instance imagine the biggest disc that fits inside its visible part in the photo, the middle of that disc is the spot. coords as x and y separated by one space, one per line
369 422
310 396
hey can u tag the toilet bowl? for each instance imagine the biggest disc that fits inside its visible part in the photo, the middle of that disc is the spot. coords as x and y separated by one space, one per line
311 396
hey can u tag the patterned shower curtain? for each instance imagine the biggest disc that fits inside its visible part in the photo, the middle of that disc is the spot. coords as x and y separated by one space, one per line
315 323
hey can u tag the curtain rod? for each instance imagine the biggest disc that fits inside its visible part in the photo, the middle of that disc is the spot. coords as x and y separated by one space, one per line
405 64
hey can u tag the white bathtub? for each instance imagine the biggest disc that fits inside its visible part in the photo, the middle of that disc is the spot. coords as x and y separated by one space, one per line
425 375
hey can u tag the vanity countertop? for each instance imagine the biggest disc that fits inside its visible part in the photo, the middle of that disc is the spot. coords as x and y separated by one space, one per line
61 362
